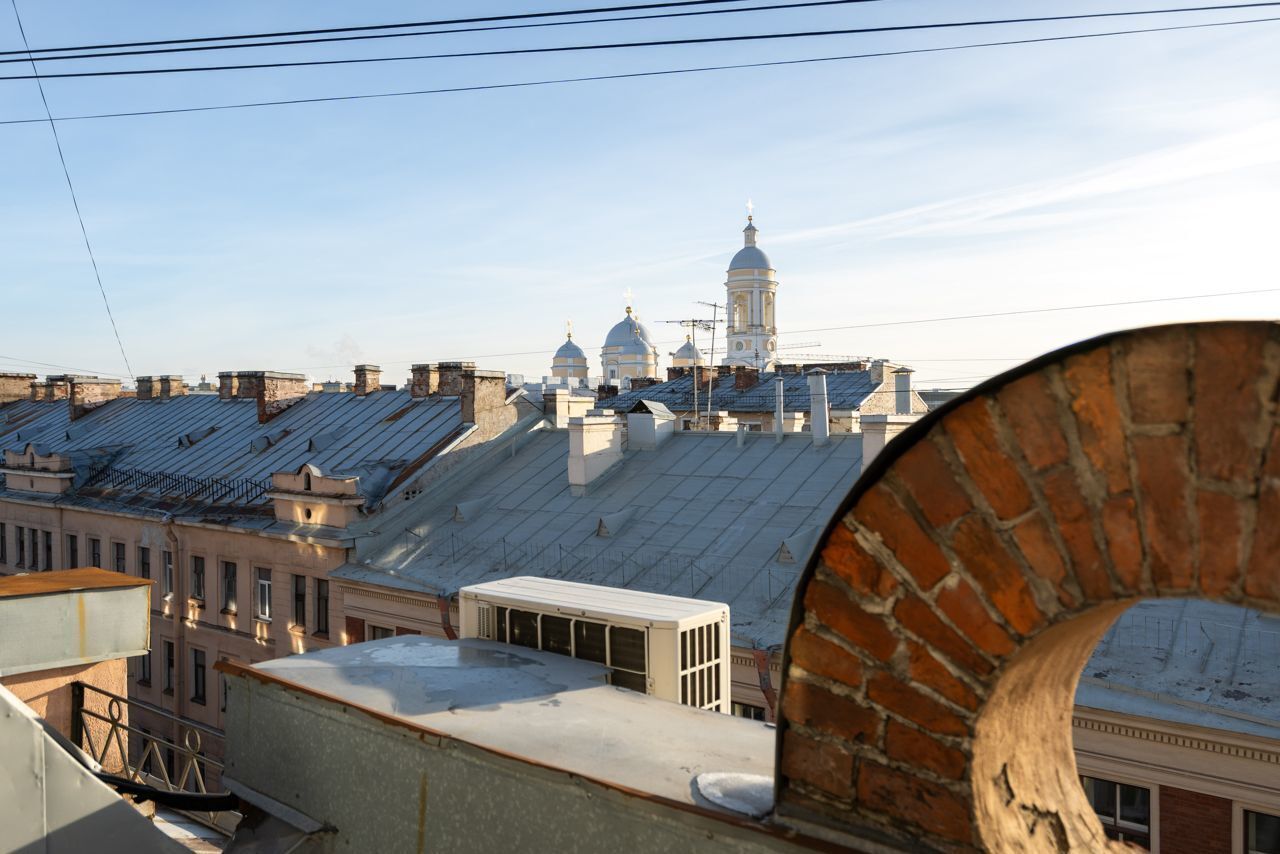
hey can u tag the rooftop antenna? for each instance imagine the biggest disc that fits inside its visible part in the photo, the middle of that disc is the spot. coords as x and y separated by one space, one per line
693 325
711 358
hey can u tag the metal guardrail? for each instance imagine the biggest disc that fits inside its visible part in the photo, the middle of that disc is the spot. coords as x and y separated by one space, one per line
177 764
214 490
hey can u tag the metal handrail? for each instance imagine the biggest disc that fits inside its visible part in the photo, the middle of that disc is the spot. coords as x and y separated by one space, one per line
140 753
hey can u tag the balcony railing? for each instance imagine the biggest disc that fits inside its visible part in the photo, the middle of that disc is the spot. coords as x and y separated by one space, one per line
103 725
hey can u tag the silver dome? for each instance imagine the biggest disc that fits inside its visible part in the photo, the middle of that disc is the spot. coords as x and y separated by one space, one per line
750 258
626 331
688 351
569 350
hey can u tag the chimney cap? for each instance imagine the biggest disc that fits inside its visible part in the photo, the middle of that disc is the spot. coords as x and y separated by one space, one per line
367 368
905 370
816 372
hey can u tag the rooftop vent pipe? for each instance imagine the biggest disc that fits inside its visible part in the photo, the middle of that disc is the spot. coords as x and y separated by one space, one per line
779 406
902 391
819 416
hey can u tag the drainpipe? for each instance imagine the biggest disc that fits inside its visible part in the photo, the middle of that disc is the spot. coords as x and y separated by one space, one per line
779 407
179 622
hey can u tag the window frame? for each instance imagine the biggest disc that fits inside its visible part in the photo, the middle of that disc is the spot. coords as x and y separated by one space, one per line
197 592
1116 828
95 552
144 669
299 615
169 664
71 555
166 574
119 557
20 538
322 607
261 602
33 534
198 676
144 562
230 591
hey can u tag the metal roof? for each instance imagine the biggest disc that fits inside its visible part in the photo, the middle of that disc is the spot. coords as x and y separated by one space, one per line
1192 662
845 390
203 437
708 521
552 592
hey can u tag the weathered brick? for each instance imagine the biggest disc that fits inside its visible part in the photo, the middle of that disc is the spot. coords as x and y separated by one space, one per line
881 513
917 617
1271 468
914 747
844 557
1162 472
820 764
1220 529
932 808
821 656
809 705
1041 553
1124 540
1075 526
1032 411
842 615
1228 361
1093 401
999 575
964 607
973 432
1156 369
1263 578
891 693
932 484
926 670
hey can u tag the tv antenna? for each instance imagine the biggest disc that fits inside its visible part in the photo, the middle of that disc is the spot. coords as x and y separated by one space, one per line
693 324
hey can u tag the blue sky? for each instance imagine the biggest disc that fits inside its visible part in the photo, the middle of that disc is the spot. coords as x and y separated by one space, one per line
473 225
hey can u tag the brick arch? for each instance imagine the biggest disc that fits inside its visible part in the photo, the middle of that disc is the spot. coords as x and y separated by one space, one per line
939 631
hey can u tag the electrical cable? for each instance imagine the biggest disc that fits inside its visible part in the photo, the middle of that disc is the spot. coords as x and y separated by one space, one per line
806 34
635 74
332 39
66 173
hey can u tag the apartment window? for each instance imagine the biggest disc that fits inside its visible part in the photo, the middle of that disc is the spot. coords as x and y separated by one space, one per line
48 550
35 548
117 556
322 607
300 601
743 710
1261 833
380 632
19 537
263 609
222 681
197 676
144 562
197 578
168 667
228 587
73 551
1124 810
95 552
144 668
4 546
166 573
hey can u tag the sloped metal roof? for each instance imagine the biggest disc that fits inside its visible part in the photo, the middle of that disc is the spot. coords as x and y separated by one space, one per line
202 436
1192 662
845 390
705 519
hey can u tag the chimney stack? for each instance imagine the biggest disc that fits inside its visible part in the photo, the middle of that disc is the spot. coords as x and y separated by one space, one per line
146 387
481 392
745 378
227 385
16 387
819 418
595 445
451 377
779 406
604 392
425 380
368 378
274 391
85 394
902 391
161 387
642 382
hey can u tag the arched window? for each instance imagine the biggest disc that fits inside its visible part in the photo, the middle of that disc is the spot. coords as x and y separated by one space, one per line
740 311
768 311
306 481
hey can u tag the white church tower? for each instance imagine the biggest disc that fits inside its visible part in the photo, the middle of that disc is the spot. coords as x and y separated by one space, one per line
752 335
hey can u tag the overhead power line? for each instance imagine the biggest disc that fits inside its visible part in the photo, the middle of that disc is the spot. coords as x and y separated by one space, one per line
636 74
402 34
66 173
600 10
806 34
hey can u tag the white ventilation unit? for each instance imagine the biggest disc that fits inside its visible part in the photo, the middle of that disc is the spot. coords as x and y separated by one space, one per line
673 648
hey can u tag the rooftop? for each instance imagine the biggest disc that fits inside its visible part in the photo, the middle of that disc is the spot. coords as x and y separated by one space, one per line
523 702
845 390
698 517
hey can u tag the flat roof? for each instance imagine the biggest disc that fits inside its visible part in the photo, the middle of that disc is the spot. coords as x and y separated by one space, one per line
545 708
576 596
65 581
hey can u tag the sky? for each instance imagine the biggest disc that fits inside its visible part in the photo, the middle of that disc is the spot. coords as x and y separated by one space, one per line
888 191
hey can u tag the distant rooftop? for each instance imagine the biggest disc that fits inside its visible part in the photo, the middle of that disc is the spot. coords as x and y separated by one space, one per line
845 390
1191 662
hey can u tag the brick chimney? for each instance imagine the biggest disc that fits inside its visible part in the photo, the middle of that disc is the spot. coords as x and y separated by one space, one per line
642 382
676 373
274 391
85 394
482 392
425 380
745 378
368 378
604 392
161 387
53 388
451 376
16 386
227 385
